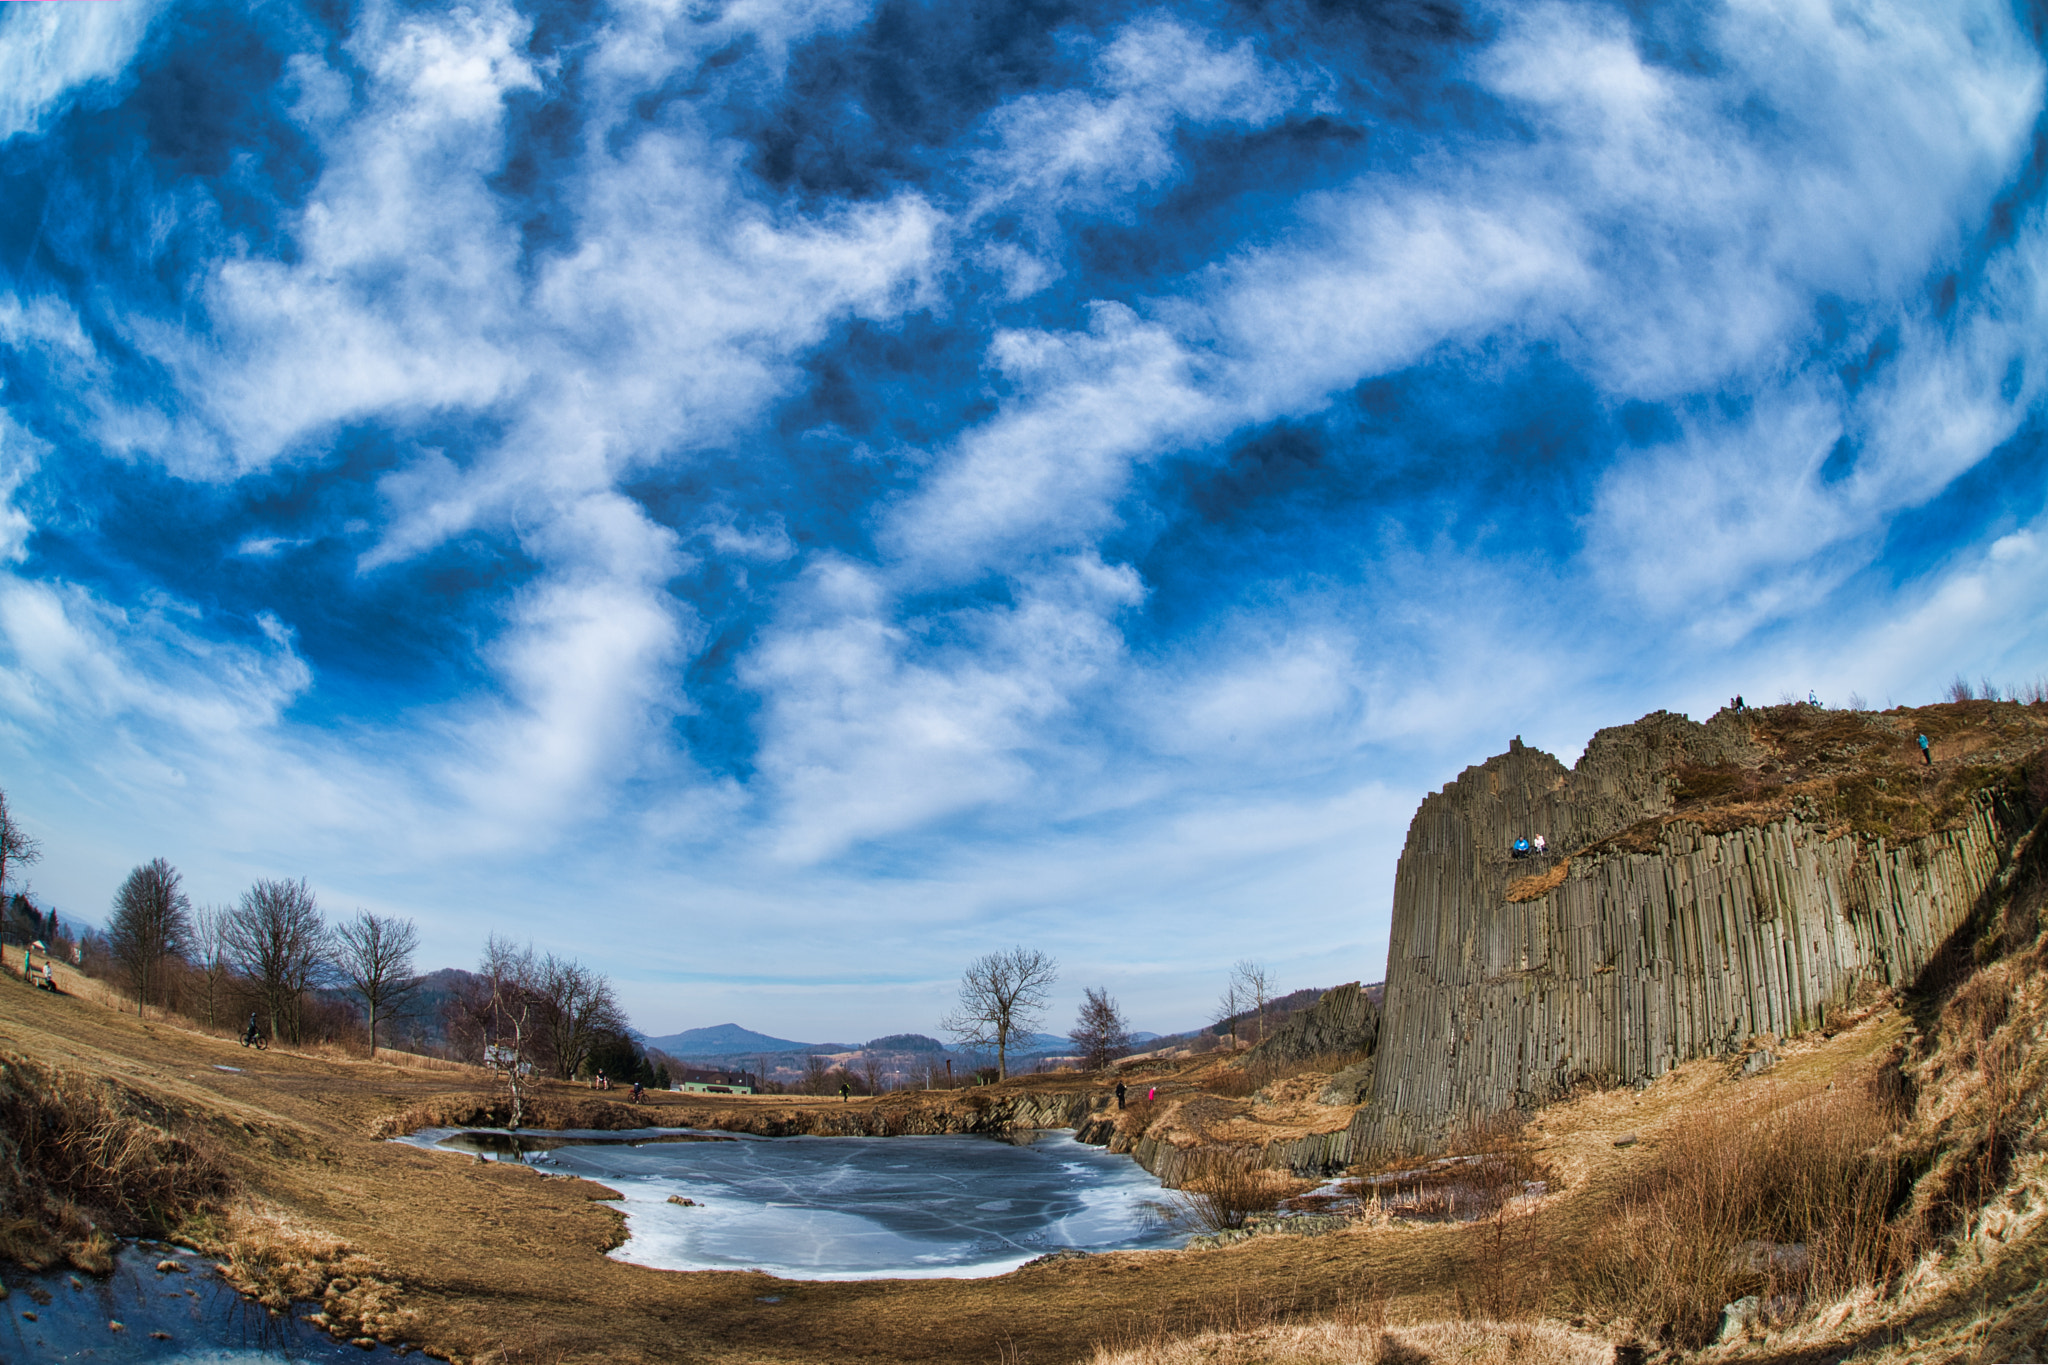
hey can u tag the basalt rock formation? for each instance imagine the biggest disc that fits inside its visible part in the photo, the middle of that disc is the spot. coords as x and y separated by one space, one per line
1645 938
1344 1022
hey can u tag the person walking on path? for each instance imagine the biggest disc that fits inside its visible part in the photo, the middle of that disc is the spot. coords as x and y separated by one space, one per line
1926 753
1119 1094
845 1089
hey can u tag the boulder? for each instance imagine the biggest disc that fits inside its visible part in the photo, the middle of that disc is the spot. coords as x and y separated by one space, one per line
1762 1257
1352 1085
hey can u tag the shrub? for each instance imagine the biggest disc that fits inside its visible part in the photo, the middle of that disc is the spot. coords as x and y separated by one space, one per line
1226 1185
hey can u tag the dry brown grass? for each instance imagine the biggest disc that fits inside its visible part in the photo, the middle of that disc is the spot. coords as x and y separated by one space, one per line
275 1259
1137 1116
1785 1200
1540 885
1240 1079
81 1162
1341 1342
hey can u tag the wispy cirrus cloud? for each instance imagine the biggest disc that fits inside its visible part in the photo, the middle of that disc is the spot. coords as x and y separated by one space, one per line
869 479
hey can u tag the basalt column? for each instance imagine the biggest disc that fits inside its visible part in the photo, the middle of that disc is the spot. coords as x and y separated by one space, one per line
1618 965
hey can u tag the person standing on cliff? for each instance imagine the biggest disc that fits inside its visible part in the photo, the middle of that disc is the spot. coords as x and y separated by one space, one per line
1119 1094
1926 753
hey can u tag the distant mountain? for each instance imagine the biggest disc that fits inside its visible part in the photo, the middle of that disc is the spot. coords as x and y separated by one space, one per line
730 1040
904 1042
1145 1036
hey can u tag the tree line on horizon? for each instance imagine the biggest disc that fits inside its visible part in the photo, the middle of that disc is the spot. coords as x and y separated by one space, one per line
302 979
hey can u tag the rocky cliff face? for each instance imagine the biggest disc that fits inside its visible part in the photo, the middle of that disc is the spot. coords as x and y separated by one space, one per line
1510 979
1343 1022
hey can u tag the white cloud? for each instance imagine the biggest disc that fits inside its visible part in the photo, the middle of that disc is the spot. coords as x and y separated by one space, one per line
674 314
1096 148
20 454
874 727
48 53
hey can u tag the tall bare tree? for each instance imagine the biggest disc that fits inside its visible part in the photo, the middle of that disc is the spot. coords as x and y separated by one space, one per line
510 974
207 951
1228 1006
18 849
276 938
1254 990
1101 1034
152 919
577 1009
1002 995
374 956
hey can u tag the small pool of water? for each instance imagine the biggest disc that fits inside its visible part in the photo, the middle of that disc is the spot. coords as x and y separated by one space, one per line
858 1208
188 1316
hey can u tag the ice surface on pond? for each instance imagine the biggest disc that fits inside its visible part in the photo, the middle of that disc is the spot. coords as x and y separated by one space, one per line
869 1208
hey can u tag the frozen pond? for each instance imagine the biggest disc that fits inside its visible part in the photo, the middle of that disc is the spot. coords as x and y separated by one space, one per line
812 1208
187 1316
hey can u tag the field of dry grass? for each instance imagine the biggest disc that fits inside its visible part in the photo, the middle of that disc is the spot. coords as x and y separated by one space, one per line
1345 1341
404 1244
1880 1192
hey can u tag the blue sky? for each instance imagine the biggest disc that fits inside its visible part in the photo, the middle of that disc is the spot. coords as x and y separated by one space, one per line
778 500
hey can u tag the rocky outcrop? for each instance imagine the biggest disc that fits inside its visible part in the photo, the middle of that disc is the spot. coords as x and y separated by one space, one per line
1344 1023
1508 982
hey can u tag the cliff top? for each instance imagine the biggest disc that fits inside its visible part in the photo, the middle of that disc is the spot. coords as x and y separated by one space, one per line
1859 771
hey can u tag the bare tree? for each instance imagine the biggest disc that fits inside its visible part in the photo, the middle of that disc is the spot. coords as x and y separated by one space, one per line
18 849
1101 1033
1254 990
509 974
871 1072
374 956
577 1009
276 938
1228 1006
152 919
207 950
1002 994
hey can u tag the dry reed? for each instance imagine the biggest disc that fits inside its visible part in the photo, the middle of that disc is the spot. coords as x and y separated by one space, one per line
80 1160
1782 1200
